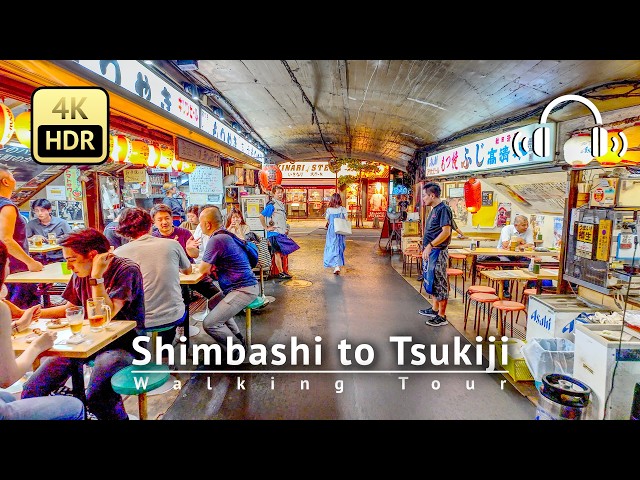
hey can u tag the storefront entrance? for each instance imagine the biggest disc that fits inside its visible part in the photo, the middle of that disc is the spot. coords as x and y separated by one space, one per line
307 202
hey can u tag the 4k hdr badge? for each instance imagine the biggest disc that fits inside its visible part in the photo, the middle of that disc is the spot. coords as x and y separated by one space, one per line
70 125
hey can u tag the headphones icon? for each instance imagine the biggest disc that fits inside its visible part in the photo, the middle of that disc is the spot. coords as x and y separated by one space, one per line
541 141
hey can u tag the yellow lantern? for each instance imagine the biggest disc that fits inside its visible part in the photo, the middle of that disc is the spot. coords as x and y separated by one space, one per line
7 124
166 156
632 157
23 128
139 152
611 158
577 150
154 156
188 167
633 135
119 148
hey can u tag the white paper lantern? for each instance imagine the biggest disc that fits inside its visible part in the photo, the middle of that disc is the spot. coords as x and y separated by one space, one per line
577 150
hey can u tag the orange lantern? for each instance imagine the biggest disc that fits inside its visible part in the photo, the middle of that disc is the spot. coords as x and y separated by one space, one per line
269 176
23 128
7 124
119 148
473 195
633 135
188 167
154 156
176 165
139 152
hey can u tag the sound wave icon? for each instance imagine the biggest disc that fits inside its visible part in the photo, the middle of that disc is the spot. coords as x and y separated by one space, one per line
521 148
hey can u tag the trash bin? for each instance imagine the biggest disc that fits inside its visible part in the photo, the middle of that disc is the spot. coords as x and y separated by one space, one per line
548 355
562 397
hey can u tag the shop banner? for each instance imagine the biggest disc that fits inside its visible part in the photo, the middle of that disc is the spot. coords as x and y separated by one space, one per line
312 170
492 153
72 185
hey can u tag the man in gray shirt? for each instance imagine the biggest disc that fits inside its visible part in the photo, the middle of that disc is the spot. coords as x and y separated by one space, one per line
44 224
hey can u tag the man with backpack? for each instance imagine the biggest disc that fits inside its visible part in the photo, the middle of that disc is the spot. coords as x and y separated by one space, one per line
229 258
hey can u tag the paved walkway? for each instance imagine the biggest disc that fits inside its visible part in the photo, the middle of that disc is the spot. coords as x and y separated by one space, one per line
367 305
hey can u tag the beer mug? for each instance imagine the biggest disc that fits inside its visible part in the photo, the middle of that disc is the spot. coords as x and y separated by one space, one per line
37 240
52 238
99 314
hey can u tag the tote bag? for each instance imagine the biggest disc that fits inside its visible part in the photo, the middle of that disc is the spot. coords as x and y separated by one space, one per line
342 226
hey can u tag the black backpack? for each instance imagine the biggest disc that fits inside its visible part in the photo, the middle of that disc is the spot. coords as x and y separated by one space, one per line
250 248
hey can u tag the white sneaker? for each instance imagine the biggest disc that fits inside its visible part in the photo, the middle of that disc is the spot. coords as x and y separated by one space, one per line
336 271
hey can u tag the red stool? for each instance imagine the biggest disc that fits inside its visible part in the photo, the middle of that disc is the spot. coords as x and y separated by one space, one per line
506 306
460 261
455 273
525 294
484 299
475 289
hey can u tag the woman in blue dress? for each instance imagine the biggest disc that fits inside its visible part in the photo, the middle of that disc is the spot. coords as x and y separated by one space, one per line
334 244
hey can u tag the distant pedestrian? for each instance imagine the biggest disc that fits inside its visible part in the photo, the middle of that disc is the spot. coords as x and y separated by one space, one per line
435 255
334 243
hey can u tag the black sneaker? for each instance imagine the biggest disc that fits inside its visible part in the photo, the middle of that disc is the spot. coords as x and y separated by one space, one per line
284 276
428 312
437 321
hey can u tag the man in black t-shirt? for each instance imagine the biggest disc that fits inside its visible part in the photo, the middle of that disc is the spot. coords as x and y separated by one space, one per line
435 256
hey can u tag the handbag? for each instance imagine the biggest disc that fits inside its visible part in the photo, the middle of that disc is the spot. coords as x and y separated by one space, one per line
342 226
286 244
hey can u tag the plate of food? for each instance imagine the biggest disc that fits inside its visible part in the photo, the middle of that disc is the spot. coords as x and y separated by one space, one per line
57 323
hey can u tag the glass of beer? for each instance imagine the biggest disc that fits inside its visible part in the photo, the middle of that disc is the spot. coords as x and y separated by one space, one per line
37 240
99 314
52 239
75 317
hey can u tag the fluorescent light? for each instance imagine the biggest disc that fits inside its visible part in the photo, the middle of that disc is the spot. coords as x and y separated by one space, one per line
426 103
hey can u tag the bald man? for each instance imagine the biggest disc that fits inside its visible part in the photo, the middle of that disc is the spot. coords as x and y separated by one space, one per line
238 282
13 233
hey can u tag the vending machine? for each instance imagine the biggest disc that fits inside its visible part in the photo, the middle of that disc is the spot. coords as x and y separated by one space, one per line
251 206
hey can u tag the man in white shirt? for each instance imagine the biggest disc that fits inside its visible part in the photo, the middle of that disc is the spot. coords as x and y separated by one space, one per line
519 229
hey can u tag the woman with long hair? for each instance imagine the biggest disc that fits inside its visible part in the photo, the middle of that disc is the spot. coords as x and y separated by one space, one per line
334 244
12 368
236 224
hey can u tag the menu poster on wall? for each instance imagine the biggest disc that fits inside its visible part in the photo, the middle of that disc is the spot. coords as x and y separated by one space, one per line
503 215
56 192
206 180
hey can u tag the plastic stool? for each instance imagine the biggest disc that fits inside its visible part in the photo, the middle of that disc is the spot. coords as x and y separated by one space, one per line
455 273
458 257
525 294
124 383
484 299
257 303
506 306
475 289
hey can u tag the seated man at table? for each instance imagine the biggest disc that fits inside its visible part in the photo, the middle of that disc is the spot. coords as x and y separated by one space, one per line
97 272
520 232
161 261
238 282
44 224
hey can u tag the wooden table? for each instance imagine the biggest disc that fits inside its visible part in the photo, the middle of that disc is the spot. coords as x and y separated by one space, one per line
497 252
95 342
51 273
499 276
44 248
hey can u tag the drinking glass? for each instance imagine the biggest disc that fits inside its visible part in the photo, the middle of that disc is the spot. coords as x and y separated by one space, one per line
37 240
52 238
99 314
75 317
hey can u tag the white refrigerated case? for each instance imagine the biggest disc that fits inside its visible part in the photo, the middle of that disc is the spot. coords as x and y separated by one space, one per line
552 316
251 206
594 363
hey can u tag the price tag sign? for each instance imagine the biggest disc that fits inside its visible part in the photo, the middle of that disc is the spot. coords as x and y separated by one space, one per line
70 125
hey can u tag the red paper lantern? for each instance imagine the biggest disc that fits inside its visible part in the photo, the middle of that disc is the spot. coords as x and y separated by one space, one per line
473 195
270 175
